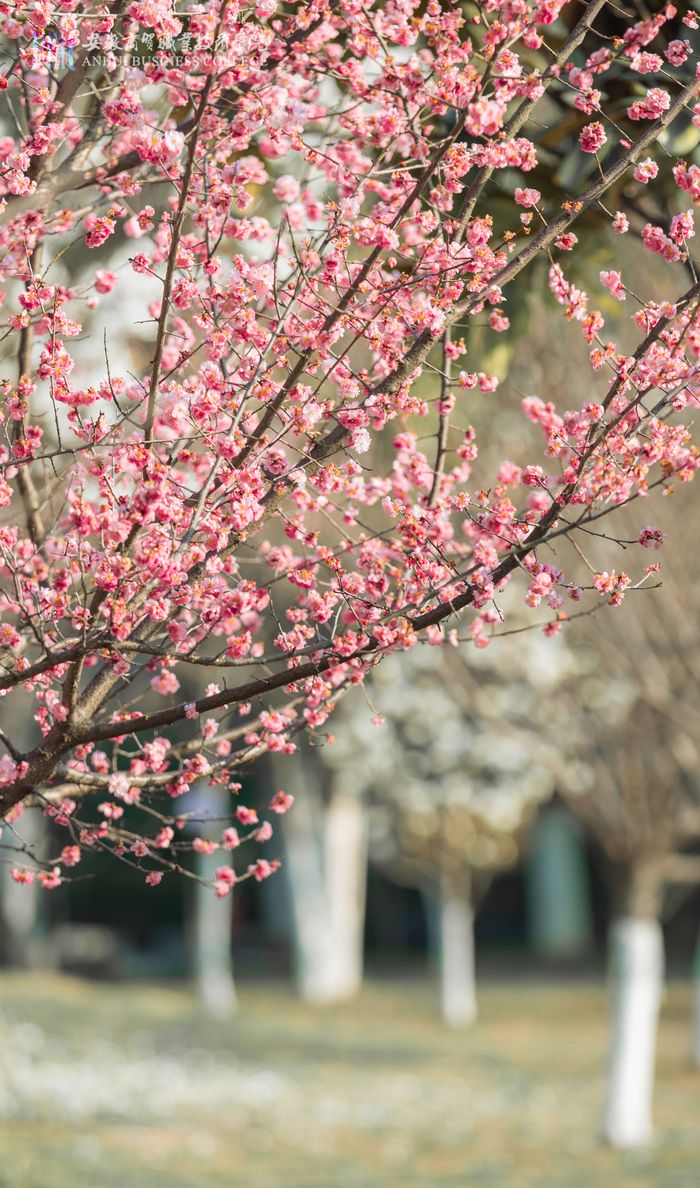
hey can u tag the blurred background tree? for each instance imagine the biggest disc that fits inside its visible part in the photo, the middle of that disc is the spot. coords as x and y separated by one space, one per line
453 777
635 708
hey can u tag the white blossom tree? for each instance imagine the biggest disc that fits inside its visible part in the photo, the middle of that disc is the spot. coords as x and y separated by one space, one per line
454 776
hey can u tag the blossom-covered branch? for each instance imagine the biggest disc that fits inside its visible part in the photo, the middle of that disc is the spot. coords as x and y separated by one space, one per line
279 452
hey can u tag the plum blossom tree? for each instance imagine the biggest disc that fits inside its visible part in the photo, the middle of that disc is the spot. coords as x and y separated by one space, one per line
453 776
330 199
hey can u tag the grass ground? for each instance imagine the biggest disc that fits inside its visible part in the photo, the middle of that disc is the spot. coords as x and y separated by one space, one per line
109 1085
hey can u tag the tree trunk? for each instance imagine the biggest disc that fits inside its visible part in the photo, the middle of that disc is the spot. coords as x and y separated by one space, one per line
213 961
212 955
636 967
345 863
326 863
21 905
559 907
304 867
695 1004
457 971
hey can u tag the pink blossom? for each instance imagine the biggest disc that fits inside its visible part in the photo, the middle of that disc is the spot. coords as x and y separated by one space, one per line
532 476
654 239
613 281
552 628
613 584
655 104
262 869
99 229
281 802
286 188
682 227
165 682
651 538
677 52
203 846
224 880
104 280
8 770
119 784
21 875
112 811
527 197
646 170
592 137
50 879
246 816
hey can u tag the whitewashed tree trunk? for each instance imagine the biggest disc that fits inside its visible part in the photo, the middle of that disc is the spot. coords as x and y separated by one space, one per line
211 941
457 968
21 905
326 863
304 867
695 1005
345 864
637 970
213 959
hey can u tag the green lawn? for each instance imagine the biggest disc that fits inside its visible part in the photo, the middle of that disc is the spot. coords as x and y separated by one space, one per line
106 1085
